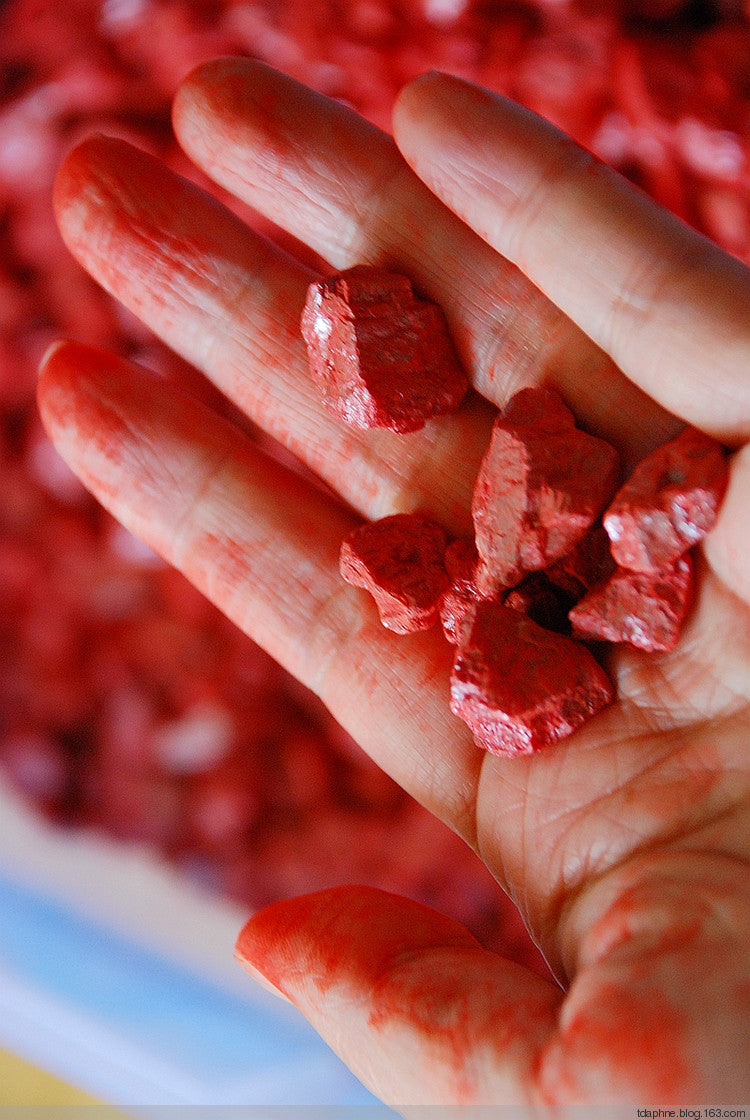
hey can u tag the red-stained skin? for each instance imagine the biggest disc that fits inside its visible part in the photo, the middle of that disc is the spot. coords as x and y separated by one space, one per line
75 411
612 1041
408 964
278 926
415 969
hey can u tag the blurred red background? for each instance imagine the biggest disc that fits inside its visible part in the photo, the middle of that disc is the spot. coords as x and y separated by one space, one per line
127 703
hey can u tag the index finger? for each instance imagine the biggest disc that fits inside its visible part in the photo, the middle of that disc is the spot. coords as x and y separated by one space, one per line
668 305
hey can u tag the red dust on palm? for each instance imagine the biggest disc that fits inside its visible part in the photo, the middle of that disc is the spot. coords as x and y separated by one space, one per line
381 357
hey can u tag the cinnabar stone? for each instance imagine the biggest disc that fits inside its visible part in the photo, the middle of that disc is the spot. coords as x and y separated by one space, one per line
381 356
399 560
669 503
520 687
462 595
589 562
645 609
541 485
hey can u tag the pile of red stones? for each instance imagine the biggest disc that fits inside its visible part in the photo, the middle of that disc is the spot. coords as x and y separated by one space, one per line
563 550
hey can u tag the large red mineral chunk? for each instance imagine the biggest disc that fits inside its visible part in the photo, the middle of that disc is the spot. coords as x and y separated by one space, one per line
645 609
520 687
669 502
399 560
540 487
381 356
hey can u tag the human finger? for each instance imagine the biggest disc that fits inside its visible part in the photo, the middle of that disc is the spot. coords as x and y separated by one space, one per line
230 303
408 998
262 543
339 184
670 307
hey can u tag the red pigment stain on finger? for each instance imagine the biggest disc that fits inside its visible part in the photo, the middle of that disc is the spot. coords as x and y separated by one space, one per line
457 1004
232 99
346 935
274 110
411 968
73 406
109 192
646 918
633 1044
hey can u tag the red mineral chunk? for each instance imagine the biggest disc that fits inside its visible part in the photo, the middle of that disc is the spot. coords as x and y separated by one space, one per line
669 502
520 687
462 595
587 564
541 485
399 560
646 609
381 356
461 560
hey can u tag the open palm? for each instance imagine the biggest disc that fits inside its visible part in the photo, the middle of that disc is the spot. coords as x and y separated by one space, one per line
625 846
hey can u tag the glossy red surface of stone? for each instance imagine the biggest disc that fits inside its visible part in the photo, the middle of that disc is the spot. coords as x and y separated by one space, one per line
381 356
520 687
458 601
399 560
587 564
541 485
668 503
645 609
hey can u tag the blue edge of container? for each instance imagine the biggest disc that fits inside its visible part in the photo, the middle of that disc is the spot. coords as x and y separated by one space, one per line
138 1030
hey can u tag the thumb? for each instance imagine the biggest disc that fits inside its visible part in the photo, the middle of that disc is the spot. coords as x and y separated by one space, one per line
407 997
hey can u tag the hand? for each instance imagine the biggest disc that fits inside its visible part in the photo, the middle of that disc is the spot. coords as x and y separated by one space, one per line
625 846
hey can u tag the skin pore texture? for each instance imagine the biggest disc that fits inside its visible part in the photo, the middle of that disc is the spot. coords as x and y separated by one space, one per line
626 845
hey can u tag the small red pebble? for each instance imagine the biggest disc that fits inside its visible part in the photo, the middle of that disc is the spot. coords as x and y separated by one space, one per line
520 687
462 595
399 560
645 609
541 485
669 502
381 356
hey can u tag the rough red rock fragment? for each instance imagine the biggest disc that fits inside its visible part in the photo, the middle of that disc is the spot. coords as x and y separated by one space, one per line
520 687
669 502
399 560
381 356
541 485
461 560
589 562
458 601
645 609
